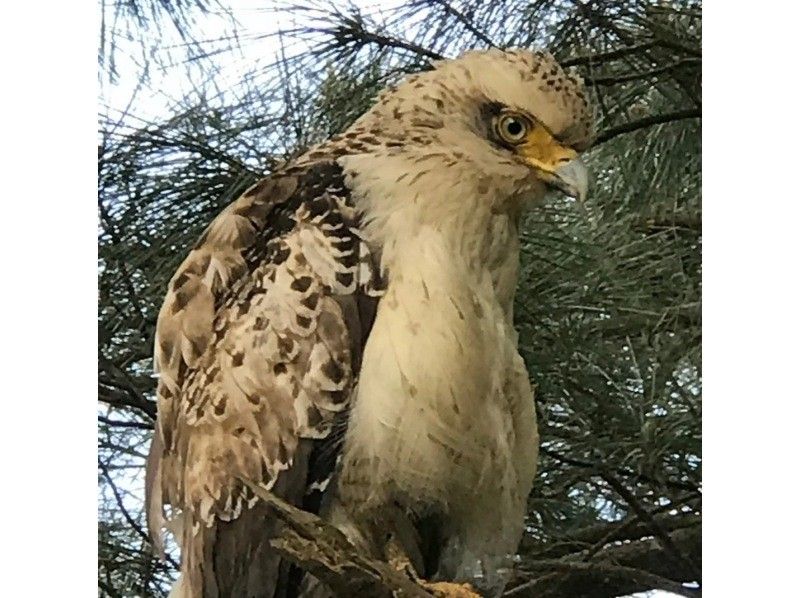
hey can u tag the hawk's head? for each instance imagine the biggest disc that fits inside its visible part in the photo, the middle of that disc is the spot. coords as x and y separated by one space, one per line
514 119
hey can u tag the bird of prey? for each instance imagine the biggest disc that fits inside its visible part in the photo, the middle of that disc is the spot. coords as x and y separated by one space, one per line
342 335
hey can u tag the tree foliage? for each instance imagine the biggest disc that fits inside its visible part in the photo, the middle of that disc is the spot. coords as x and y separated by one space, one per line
608 305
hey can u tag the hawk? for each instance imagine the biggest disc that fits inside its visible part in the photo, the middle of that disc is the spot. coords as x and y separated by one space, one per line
342 335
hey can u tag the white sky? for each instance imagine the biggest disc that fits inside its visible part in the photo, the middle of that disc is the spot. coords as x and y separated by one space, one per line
256 28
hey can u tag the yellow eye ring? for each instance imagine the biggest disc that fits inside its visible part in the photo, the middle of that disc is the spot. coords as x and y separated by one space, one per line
513 128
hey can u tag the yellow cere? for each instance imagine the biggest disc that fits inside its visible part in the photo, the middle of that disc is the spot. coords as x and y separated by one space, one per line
541 150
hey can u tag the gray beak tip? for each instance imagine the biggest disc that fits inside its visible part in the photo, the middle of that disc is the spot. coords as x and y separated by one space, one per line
573 179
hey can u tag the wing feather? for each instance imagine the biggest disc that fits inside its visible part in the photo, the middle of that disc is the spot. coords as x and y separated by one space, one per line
257 349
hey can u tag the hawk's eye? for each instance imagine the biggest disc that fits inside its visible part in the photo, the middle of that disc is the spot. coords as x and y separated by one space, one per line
512 128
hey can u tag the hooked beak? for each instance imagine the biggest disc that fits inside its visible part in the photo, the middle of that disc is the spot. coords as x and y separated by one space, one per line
554 163
572 179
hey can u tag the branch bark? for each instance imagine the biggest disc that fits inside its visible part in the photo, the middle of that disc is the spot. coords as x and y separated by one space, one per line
323 551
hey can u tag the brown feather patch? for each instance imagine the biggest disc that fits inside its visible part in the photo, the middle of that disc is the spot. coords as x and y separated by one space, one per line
253 349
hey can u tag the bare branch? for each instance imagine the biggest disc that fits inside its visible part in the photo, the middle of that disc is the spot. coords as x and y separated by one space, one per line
648 121
466 22
620 471
604 573
617 79
644 515
123 424
615 570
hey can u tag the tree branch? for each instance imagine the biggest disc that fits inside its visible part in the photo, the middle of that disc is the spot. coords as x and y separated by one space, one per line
620 471
466 22
614 571
118 398
631 529
617 79
649 121
323 551
353 32
123 424
606 56
600 574
633 502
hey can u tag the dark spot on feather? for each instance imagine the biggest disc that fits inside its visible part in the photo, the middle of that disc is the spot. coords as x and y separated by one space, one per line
279 368
344 278
338 396
198 346
343 242
219 408
333 371
303 321
285 345
260 323
237 359
243 308
311 301
281 254
180 281
301 284
300 259
181 299
333 218
314 417
166 346
349 260
254 399
318 206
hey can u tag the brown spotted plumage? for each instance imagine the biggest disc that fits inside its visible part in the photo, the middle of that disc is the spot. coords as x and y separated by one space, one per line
253 344
342 335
